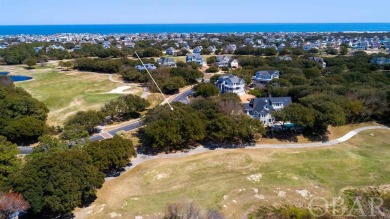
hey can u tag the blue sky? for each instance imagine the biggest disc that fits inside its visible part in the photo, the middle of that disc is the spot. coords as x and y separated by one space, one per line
20 12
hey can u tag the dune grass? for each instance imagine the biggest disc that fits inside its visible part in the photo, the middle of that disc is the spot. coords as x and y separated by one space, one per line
228 180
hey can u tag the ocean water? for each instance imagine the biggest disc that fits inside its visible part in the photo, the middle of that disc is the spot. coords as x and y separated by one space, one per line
193 28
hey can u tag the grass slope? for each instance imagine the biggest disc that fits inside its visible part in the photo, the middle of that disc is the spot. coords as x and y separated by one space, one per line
66 92
229 180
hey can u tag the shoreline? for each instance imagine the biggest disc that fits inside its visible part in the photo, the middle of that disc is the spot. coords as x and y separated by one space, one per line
196 28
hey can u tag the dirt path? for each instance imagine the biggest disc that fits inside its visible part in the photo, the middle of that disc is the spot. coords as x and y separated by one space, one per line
141 158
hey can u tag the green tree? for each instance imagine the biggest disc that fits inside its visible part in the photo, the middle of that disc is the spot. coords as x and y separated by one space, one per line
74 134
57 183
86 119
212 69
8 161
297 114
68 65
30 62
168 130
211 60
173 84
343 50
25 129
49 143
125 107
110 154
205 90
22 118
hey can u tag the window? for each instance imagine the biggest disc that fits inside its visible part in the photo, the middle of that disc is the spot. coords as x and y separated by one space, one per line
277 104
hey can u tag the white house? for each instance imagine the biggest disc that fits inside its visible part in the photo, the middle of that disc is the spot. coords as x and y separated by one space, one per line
194 58
266 76
170 51
212 49
198 49
261 108
234 63
231 84
169 62
319 60
223 61
147 66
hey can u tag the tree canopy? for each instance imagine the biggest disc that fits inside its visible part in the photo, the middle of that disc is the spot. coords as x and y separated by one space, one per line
22 118
57 183
110 154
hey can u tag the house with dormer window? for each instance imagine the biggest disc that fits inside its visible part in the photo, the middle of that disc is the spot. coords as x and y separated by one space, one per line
262 108
231 84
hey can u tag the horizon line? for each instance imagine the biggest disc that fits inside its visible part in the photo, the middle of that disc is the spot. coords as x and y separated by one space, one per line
288 23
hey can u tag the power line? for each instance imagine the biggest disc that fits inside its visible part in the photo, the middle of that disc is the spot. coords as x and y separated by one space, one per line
165 99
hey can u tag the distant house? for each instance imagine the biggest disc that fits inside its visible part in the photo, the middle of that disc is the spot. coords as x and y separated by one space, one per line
223 61
198 49
169 62
129 44
261 108
284 58
195 58
147 66
38 49
54 46
319 60
375 45
381 61
386 45
309 46
77 47
266 76
171 51
234 64
231 84
212 49
230 48
360 46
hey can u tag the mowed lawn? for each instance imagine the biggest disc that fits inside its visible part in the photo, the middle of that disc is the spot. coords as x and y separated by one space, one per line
66 92
236 181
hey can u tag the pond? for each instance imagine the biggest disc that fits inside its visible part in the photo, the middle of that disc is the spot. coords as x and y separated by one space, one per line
16 78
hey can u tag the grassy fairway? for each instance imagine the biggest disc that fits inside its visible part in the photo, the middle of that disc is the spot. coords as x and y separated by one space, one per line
229 180
66 92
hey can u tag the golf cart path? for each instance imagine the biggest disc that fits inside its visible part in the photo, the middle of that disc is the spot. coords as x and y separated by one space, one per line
141 158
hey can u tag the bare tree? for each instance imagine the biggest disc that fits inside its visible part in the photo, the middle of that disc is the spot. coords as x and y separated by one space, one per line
187 210
11 203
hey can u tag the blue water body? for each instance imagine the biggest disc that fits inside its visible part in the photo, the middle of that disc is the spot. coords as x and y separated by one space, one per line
192 28
16 78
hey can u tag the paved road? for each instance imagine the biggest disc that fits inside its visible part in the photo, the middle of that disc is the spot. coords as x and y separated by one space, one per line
127 128
183 97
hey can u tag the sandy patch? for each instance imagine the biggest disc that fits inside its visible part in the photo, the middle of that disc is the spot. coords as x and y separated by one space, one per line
255 177
114 215
260 197
245 98
161 176
281 194
121 90
304 193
